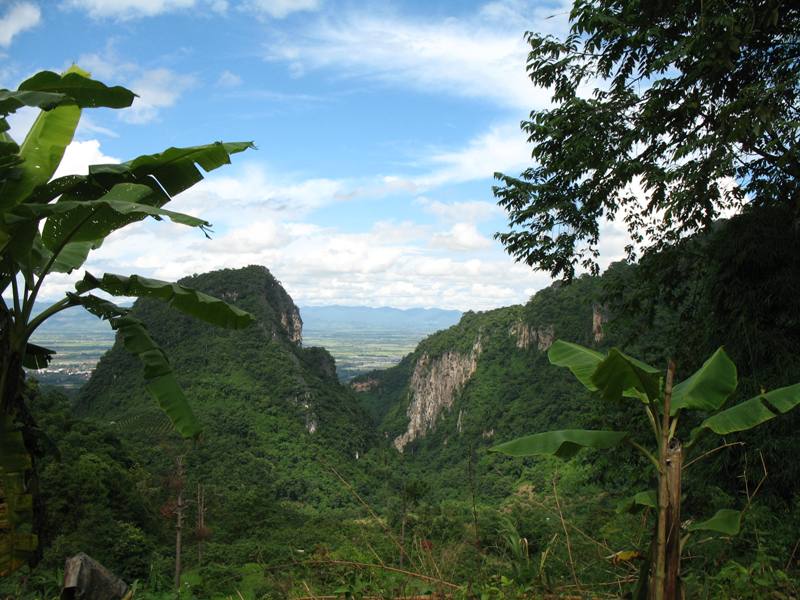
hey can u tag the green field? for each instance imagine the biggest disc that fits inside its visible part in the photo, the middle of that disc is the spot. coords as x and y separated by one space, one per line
359 344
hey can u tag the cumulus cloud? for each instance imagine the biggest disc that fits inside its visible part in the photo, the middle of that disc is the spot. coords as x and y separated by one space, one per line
471 211
156 88
20 17
280 9
392 263
128 9
79 155
473 57
229 80
501 148
461 237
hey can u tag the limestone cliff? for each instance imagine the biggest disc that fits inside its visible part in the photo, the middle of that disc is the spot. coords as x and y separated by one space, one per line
528 335
598 318
292 324
434 385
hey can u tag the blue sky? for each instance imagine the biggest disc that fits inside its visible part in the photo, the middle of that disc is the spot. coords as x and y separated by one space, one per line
378 126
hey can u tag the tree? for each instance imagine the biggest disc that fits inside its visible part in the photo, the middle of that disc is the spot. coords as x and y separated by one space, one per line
695 103
618 377
50 226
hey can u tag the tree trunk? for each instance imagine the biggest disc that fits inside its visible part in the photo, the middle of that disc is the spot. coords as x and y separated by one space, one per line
178 522
201 522
13 404
672 589
658 583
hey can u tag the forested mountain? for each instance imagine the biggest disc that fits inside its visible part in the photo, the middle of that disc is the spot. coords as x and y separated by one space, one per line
488 380
276 423
302 481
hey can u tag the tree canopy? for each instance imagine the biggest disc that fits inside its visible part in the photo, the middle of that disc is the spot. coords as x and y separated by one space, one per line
664 115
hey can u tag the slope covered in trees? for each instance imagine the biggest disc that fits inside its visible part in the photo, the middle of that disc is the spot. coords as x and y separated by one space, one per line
412 443
736 287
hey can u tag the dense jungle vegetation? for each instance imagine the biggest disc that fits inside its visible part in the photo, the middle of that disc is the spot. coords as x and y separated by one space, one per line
269 478
287 511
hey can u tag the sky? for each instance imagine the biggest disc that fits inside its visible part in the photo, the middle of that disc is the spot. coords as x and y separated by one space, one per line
378 128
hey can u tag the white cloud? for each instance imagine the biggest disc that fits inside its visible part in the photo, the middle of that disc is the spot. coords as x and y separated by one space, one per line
79 155
255 187
128 9
475 57
502 148
88 126
392 263
21 16
473 212
156 88
21 122
229 80
461 237
279 9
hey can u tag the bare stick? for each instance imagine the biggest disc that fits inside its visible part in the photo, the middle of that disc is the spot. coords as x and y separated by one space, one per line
369 509
566 535
351 563
791 557
710 452
663 491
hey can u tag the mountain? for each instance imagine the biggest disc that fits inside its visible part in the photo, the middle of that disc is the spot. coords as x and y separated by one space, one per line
277 421
487 380
363 338
312 486
415 320
360 338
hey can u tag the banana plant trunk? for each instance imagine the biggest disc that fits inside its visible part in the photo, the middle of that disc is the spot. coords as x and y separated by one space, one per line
18 473
672 588
666 568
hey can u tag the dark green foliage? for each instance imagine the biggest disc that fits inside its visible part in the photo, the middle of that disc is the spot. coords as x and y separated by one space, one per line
273 413
686 98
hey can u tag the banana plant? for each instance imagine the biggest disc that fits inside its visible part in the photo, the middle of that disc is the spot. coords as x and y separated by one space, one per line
616 376
50 225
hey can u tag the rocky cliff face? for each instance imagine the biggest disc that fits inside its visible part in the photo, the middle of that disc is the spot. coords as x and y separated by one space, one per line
528 335
292 324
598 318
434 385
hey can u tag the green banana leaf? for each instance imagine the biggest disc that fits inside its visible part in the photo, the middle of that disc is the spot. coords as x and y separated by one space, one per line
76 85
620 375
175 168
752 412
725 521
648 499
578 359
37 357
191 302
159 377
564 444
708 388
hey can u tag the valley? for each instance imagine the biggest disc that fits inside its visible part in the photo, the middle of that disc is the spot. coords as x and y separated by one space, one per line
360 339
394 466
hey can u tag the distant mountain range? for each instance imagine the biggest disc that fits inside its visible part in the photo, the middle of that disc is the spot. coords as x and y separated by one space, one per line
360 338
425 320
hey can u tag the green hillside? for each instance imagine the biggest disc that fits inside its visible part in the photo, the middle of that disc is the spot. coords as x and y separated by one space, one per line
276 422
707 292
386 487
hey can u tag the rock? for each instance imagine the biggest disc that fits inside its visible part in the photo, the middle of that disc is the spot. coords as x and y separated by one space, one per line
598 318
527 335
434 385
87 579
